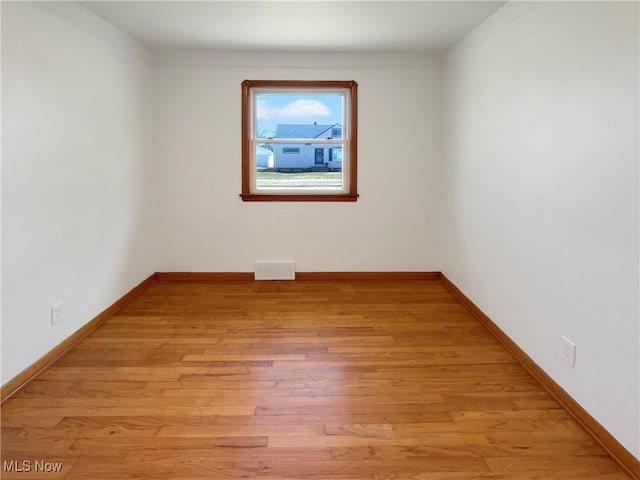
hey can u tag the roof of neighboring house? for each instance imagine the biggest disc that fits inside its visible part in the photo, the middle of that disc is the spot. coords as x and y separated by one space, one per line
303 131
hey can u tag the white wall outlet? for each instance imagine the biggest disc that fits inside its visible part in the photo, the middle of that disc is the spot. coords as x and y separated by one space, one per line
568 352
56 313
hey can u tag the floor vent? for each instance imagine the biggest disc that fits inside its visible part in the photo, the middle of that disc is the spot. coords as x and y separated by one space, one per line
272 270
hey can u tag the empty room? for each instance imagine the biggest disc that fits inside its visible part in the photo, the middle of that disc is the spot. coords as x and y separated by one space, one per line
322 240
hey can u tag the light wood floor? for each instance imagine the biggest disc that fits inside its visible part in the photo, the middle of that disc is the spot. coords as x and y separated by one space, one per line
305 379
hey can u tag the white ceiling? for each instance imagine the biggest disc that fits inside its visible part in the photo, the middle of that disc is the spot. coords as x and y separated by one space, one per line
357 26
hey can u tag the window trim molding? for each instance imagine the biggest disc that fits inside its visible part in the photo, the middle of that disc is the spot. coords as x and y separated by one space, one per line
352 192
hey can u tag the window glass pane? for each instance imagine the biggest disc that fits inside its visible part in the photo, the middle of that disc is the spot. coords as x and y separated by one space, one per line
299 116
299 165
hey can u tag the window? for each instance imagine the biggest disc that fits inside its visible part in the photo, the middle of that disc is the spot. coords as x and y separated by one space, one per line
299 140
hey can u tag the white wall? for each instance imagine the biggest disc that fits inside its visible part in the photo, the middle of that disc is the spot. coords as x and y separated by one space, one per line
206 226
540 192
78 182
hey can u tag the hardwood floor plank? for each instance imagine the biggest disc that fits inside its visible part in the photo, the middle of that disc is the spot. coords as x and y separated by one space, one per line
416 452
556 463
364 430
531 475
336 418
356 440
237 430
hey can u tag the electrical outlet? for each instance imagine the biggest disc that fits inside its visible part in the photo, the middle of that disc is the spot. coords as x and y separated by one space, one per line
56 313
568 352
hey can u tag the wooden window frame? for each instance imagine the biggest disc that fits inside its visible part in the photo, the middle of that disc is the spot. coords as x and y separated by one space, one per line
351 193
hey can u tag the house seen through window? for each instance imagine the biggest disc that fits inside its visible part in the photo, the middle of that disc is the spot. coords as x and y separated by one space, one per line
299 140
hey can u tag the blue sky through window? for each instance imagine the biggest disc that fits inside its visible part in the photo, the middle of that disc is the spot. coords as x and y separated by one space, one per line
296 109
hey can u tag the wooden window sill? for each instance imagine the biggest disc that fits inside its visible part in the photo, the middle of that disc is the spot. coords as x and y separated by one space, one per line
252 197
